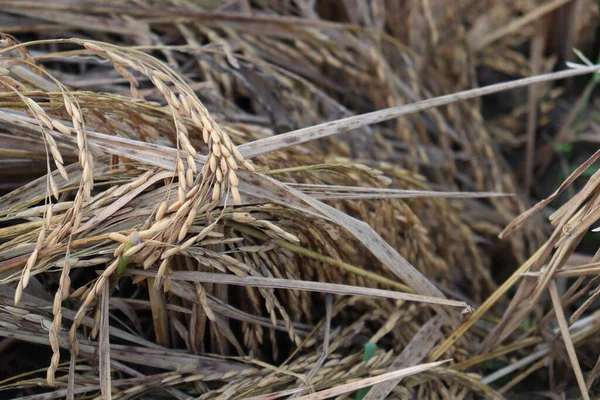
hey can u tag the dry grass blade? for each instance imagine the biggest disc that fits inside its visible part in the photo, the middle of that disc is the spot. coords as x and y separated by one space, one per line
331 192
485 307
104 346
534 15
351 387
327 337
320 131
277 395
515 367
537 49
416 351
275 283
538 365
564 329
517 222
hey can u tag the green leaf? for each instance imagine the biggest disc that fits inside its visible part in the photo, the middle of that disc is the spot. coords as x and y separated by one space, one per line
586 61
123 261
564 148
367 355
582 57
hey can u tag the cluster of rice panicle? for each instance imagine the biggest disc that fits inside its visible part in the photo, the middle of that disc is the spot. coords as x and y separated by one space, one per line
165 210
177 242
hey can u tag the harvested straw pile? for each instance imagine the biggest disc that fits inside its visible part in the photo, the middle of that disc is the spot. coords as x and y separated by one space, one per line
172 227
